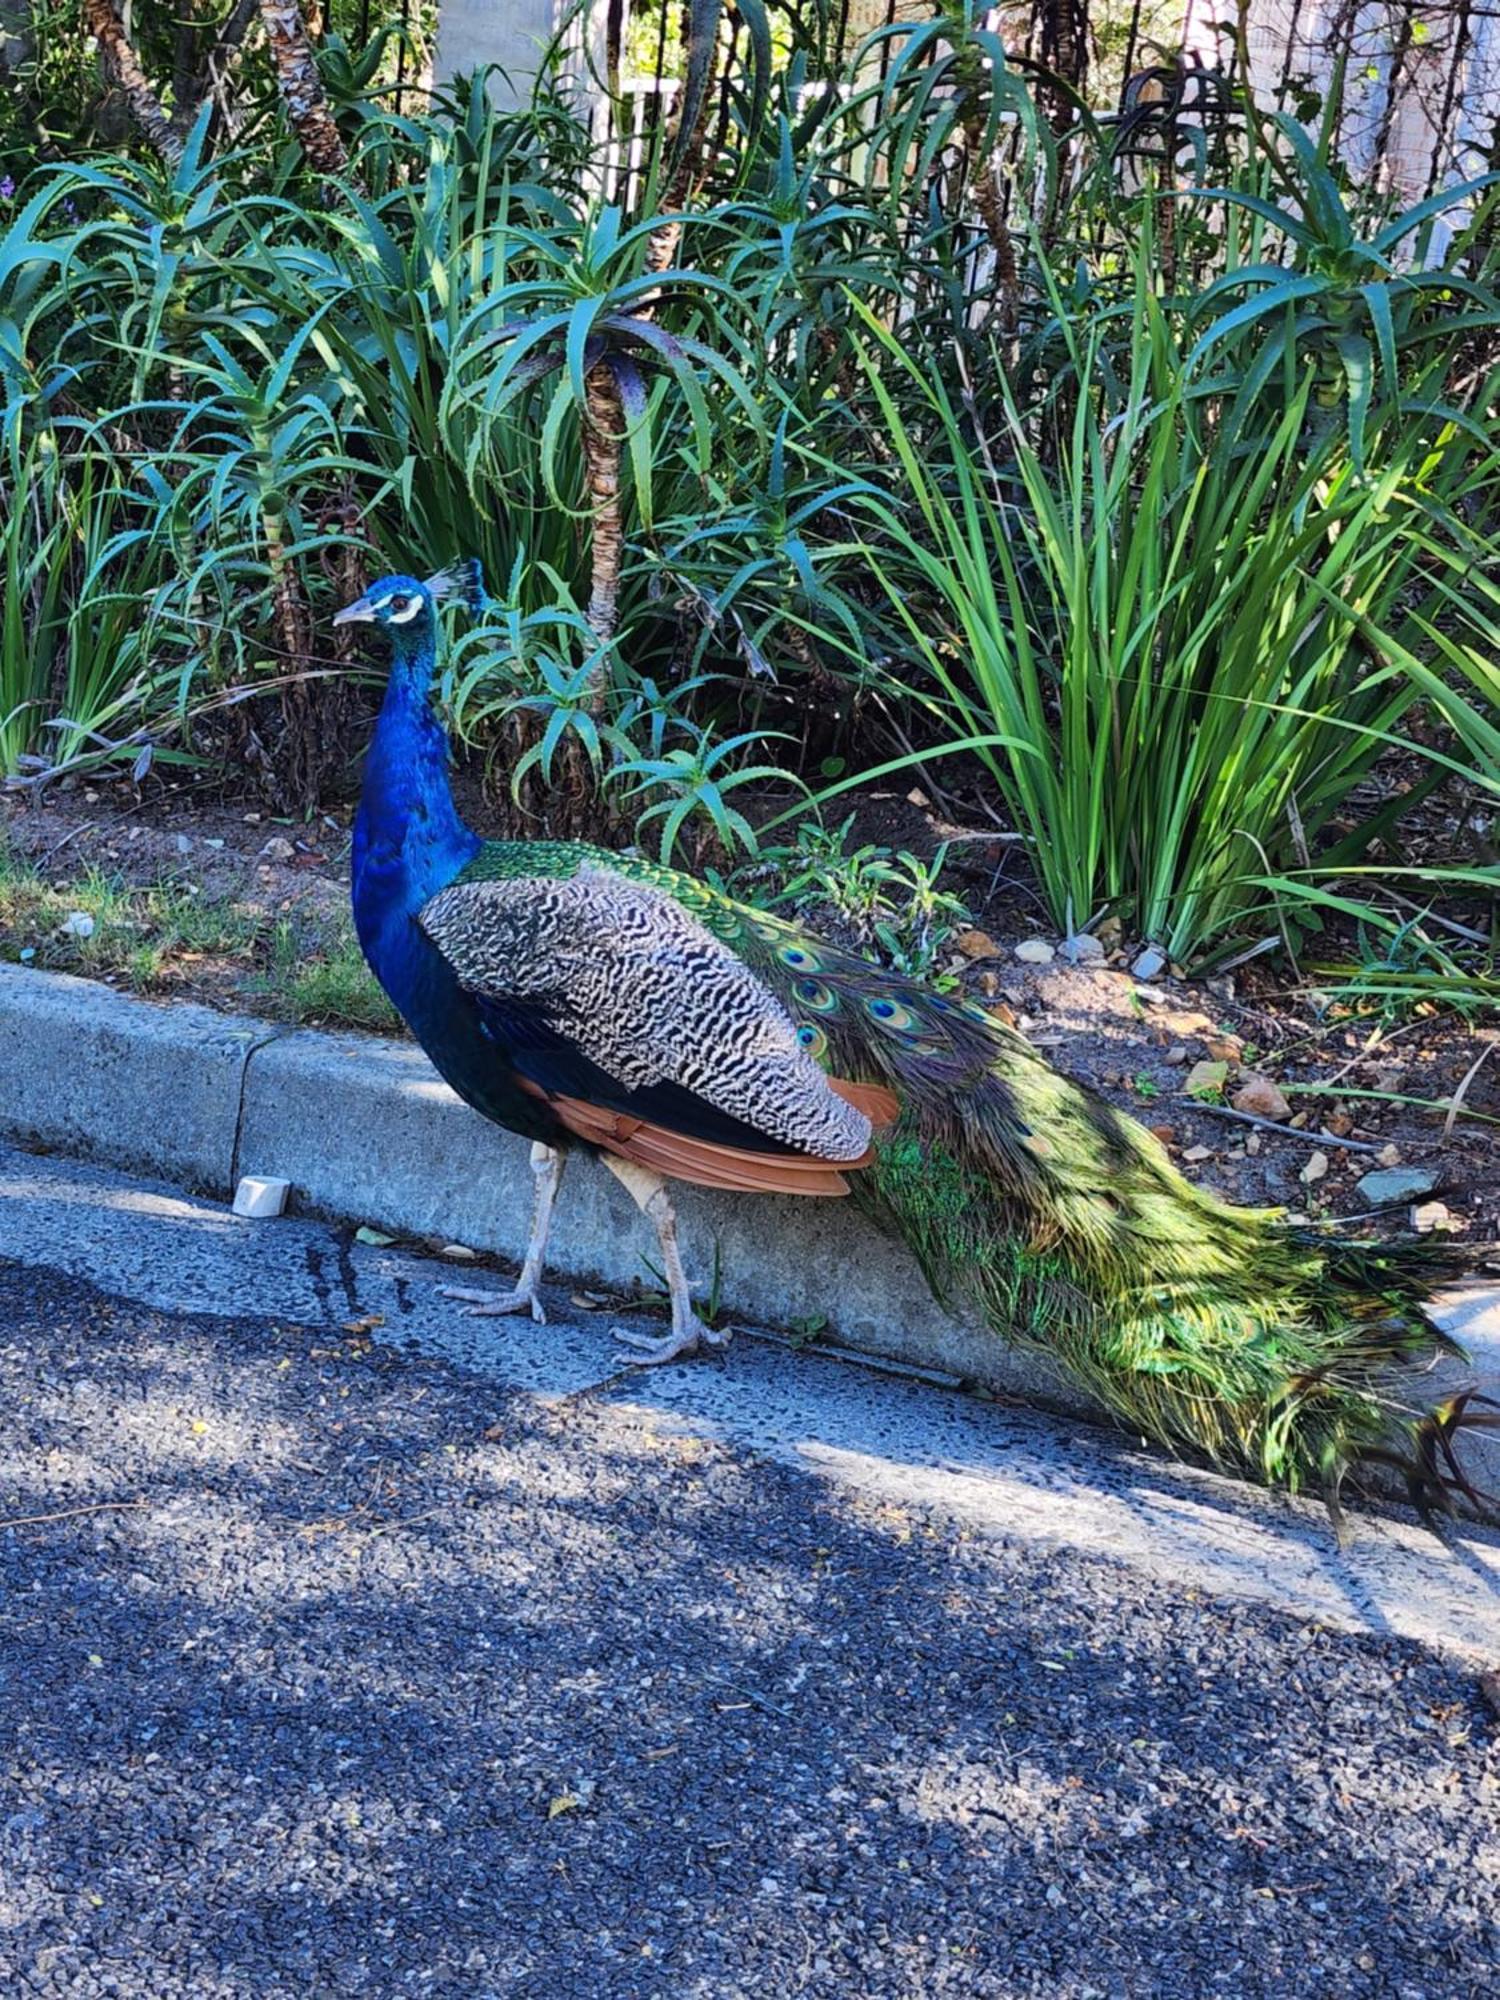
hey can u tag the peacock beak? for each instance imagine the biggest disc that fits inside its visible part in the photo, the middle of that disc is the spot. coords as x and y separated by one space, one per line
360 612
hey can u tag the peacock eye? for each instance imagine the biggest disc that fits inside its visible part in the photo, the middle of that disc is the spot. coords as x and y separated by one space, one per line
400 601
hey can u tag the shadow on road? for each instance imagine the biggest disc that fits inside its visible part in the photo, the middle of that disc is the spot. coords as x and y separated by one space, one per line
398 1684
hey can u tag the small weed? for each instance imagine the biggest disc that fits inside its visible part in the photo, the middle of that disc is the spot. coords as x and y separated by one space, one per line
890 899
329 984
805 1331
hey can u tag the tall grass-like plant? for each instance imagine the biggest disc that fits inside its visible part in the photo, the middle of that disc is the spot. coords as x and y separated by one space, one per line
1173 629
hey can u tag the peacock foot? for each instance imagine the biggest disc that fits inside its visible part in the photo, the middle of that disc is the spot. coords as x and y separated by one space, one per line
691 1338
490 1305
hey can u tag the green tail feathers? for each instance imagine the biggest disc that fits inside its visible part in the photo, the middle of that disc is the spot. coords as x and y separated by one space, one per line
1204 1327
1201 1326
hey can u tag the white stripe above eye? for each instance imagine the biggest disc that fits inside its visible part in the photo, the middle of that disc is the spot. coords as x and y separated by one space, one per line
405 617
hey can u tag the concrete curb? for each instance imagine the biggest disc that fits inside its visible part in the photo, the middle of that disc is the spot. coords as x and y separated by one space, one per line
367 1132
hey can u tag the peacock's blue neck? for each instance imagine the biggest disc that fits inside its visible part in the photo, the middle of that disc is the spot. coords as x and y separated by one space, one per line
409 841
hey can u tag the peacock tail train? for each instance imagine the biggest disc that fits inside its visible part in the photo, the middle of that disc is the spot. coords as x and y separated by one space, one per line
1199 1325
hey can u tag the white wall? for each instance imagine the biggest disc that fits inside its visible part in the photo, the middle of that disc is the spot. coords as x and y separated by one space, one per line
509 32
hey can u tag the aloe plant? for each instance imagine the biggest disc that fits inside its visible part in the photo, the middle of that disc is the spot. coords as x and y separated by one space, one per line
583 309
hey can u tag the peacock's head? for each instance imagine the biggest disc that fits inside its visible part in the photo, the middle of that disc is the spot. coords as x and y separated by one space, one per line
404 607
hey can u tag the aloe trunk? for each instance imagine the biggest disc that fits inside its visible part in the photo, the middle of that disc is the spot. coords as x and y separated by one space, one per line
302 87
603 439
122 67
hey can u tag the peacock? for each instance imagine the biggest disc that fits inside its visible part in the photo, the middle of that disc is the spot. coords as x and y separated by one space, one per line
599 1002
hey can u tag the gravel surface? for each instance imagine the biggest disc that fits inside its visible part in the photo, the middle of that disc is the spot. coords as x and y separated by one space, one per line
388 1681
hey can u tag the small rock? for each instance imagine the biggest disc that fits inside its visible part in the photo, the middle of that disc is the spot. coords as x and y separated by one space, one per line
1253 1143
1389 1156
458 1253
1222 986
977 944
184 845
1315 1169
1339 1123
989 985
1196 1153
1259 1096
79 924
260 1195
1206 1079
1149 964
1427 1216
1394 1184
252 819
277 849
1224 1048
1083 950
1035 951
213 843
1166 1133
1176 1056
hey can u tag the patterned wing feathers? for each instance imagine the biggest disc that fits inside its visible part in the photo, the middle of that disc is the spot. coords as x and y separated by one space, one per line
649 995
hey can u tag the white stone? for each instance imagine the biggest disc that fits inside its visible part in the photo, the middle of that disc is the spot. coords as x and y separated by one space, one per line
1083 949
79 924
261 1195
1035 951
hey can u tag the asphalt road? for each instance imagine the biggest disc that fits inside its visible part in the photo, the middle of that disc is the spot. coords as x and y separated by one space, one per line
370 1674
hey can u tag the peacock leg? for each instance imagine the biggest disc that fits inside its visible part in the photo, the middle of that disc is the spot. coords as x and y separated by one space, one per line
547 1166
649 1193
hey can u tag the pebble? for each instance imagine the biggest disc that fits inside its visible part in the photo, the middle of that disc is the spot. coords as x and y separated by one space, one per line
277 848
1391 1185
1259 1096
458 1253
1176 1055
1083 950
1035 951
1205 1079
1427 1216
1149 964
977 944
184 844
1196 1153
78 924
1315 1169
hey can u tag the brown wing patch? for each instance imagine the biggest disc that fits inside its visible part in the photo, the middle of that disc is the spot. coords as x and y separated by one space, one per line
700 1161
881 1106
